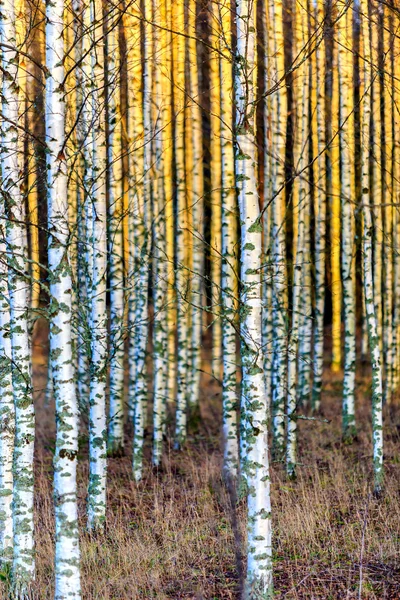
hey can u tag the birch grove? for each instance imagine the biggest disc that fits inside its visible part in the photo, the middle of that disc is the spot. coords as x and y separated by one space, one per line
199 215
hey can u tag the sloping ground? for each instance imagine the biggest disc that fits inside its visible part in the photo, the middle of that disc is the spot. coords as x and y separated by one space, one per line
176 535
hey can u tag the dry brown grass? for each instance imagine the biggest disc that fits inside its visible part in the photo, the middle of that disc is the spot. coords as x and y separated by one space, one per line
176 536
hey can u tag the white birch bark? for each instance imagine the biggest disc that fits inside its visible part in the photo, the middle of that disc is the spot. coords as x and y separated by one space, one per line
267 326
135 182
7 410
80 43
196 207
67 574
319 143
229 284
346 135
143 246
23 568
387 196
253 403
305 309
181 281
367 200
98 316
168 151
301 195
396 225
85 214
215 194
278 127
115 244
377 170
160 272
135 179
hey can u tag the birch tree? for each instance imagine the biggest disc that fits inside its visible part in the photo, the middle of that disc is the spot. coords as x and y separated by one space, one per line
387 195
215 194
7 409
195 202
98 316
300 200
143 241
277 174
160 265
334 211
228 247
253 402
319 155
376 175
61 352
115 241
346 135
135 182
23 568
366 73
181 283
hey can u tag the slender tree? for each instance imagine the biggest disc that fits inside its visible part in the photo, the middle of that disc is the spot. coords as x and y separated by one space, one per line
135 180
228 247
319 156
160 265
334 206
195 208
23 569
366 72
143 242
387 195
279 278
300 200
253 402
96 204
376 175
61 351
181 279
215 194
115 239
7 410
347 193
267 212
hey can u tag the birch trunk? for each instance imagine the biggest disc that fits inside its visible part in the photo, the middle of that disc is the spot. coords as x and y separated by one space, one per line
23 569
387 201
396 222
67 557
319 145
301 197
229 284
215 195
347 150
377 170
335 219
253 404
98 316
135 177
368 199
115 243
267 215
143 247
84 233
181 281
169 203
7 409
196 209
278 127
160 265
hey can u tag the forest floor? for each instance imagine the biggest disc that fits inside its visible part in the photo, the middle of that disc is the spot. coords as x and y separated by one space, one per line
177 536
